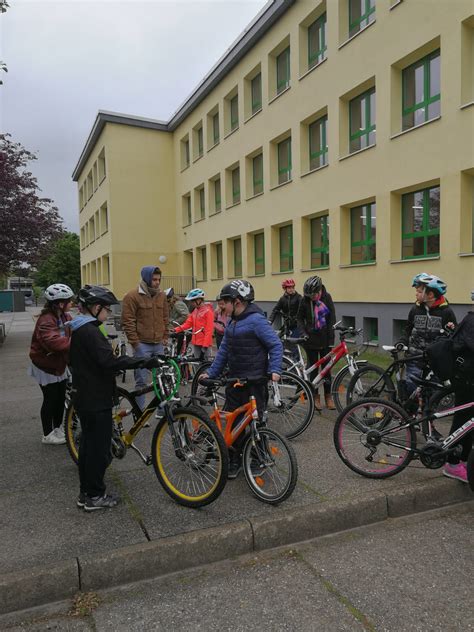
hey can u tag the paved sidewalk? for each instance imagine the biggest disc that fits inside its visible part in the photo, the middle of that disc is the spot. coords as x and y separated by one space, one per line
49 549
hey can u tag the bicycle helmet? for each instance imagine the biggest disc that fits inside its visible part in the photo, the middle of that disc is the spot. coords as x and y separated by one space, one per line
194 294
58 292
430 281
312 286
288 283
239 288
169 292
96 295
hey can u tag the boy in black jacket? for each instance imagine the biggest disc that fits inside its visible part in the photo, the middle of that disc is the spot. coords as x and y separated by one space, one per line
94 367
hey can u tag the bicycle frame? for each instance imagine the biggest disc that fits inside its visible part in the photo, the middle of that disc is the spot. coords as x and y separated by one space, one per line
328 361
231 433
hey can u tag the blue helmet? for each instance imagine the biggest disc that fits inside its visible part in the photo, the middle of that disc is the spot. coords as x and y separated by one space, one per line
430 281
195 293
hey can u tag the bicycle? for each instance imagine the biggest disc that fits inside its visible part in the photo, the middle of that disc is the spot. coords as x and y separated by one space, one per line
119 348
290 406
340 351
269 461
182 354
379 383
376 438
188 452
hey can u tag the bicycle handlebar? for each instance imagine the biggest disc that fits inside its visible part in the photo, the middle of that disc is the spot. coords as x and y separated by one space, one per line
235 381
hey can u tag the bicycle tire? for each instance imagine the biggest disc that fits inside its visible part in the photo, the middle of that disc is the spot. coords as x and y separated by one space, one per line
340 385
289 365
263 473
195 473
296 410
370 382
351 436
441 399
195 383
72 424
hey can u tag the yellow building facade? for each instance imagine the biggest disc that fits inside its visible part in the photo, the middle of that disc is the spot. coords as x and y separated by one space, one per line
334 138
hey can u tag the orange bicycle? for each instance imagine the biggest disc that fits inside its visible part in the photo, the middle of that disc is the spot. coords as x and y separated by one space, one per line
268 459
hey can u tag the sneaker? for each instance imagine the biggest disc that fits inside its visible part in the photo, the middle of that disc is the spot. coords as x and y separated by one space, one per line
458 471
329 402
59 432
53 439
234 469
107 501
81 500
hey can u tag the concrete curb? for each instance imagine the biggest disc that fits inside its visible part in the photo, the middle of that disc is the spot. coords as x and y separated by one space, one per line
42 585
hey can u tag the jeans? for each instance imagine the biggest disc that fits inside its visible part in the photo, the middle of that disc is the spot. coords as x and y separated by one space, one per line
142 376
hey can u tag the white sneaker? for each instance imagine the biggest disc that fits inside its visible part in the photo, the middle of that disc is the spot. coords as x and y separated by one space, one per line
53 439
59 432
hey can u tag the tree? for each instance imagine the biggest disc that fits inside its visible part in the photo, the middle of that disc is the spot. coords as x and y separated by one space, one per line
63 265
28 223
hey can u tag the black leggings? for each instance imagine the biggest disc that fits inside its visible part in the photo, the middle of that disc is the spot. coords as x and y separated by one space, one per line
313 355
52 409
235 397
463 394
94 450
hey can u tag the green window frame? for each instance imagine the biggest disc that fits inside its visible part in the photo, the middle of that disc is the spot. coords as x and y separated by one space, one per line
363 233
237 247
361 14
202 203
256 93
317 41
362 121
219 261
284 161
188 210
186 153
318 147
236 185
286 248
372 329
259 253
420 223
215 128
319 243
257 174
204 263
283 70
234 112
217 195
200 140
421 98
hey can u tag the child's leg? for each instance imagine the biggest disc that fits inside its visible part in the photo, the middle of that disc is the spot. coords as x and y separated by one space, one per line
95 451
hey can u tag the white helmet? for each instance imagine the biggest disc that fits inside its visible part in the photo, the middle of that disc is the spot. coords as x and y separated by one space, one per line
58 292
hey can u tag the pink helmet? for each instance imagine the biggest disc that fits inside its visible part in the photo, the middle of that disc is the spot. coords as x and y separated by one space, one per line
288 283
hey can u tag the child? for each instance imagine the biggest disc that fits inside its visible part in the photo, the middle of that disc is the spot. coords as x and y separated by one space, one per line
202 317
221 319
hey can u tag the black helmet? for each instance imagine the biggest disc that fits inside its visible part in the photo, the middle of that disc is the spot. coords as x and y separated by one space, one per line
96 295
239 288
312 286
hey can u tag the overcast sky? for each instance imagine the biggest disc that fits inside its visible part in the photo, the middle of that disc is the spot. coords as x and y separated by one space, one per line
68 59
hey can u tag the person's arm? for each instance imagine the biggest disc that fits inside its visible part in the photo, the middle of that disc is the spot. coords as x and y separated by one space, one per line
220 360
186 325
268 337
129 319
449 320
301 319
331 319
183 312
405 337
208 327
276 309
102 355
50 337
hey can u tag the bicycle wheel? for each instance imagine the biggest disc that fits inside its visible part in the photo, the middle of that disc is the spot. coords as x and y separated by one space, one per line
290 366
270 466
372 438
441 399
195 386
370 382
340 385
123 412
293 413
190 458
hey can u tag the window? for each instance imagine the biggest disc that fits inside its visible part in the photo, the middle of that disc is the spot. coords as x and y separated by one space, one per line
200 142
421 91
362 121
363 233
219 264
236 185
215 128
318 149
283 70
185 152
284 161
319 228
286 248
371 329
237 257
317 41
187 217
257 173
104 219
101 162
234 113
361 13
259 253
203 263
420 223
202 203
217 195
256 93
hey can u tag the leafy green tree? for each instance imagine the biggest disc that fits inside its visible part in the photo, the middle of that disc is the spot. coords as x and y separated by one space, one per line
62 265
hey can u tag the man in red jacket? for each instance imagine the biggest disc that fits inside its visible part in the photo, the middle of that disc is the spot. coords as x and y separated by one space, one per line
201 321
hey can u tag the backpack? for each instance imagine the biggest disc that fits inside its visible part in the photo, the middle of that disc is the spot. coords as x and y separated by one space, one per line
447 357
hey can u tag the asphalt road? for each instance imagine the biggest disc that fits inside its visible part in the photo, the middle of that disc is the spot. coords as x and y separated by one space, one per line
413 573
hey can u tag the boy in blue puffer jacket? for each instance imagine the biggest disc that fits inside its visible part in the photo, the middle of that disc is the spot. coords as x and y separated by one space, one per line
251 349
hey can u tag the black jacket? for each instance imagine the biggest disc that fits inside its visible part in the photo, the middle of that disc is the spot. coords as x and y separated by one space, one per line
323 338
464 346
288 304
94 367
424 324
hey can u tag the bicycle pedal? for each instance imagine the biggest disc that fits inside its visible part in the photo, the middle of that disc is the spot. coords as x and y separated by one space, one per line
148 460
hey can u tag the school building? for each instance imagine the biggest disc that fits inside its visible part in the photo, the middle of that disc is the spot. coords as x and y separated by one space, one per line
333 138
